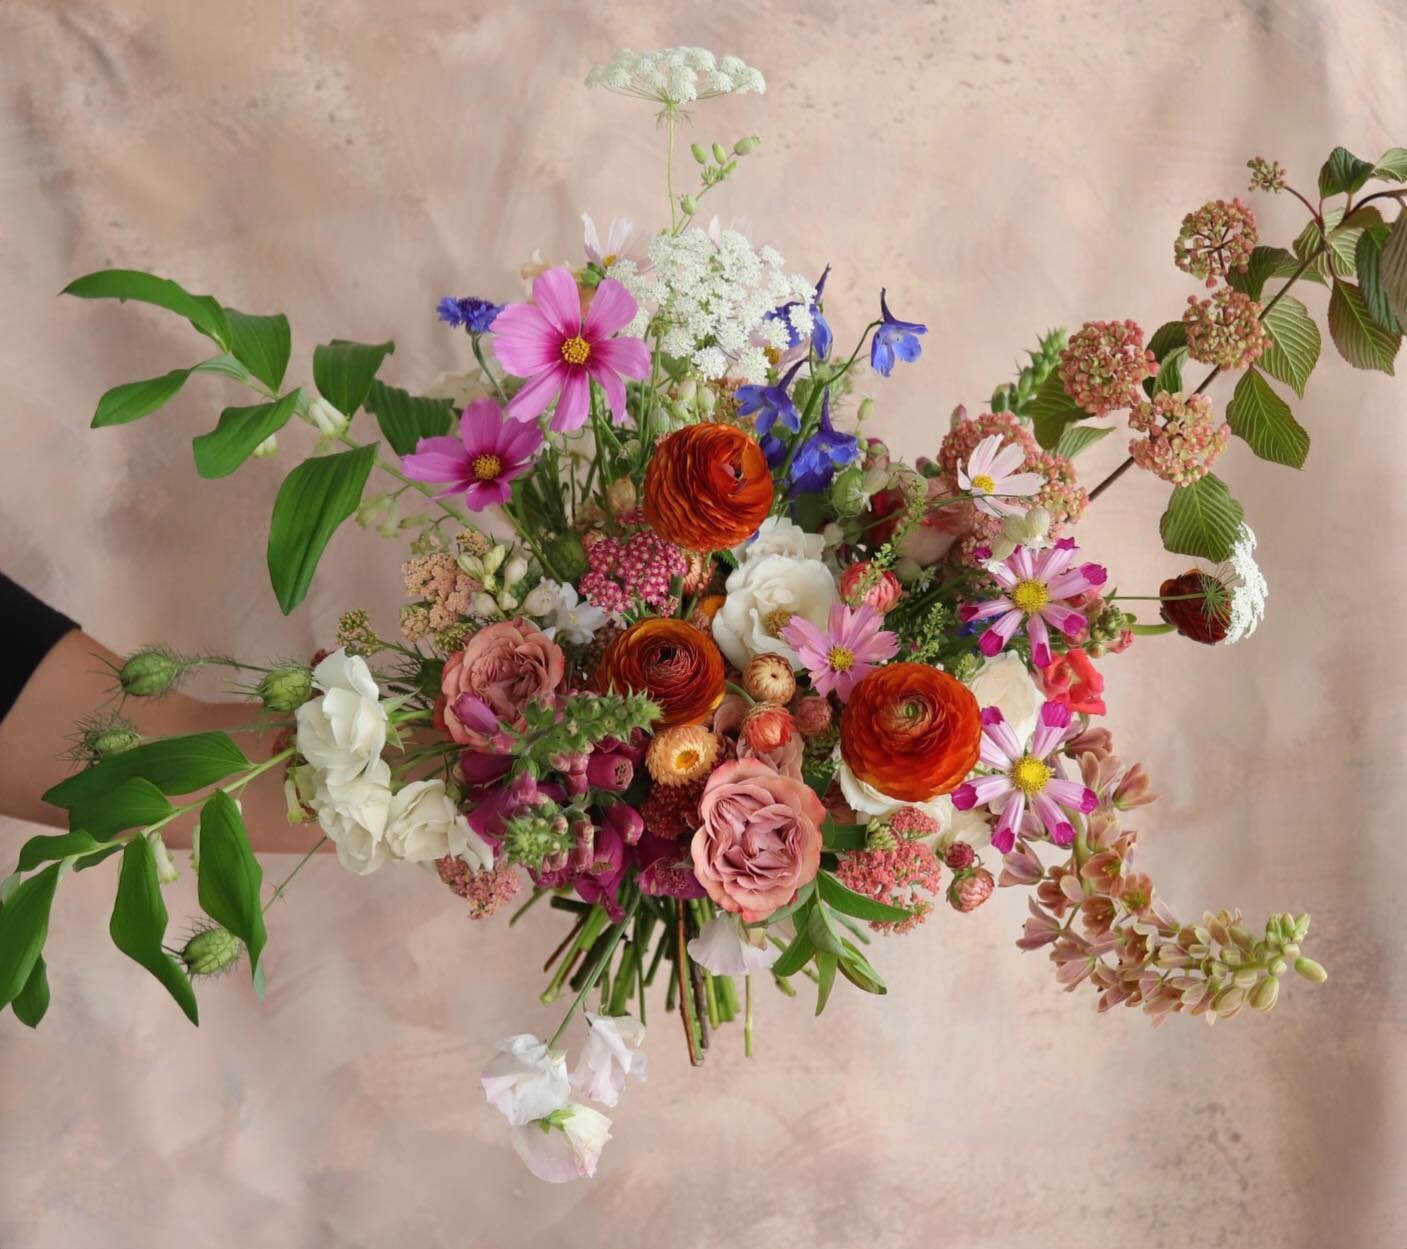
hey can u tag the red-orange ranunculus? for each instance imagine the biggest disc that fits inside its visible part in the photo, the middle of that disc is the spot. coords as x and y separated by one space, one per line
911 731
708 487
671 661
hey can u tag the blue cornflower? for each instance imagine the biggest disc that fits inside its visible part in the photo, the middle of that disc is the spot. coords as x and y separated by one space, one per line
475 315
771 403
894 338
822 453
821 335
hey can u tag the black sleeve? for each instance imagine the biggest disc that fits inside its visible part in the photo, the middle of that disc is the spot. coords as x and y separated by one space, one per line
30 628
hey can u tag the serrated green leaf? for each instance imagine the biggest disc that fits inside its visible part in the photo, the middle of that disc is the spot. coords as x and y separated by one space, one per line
1265 263
230 877
175 765
405 419
1201 519
1051 410
134 400
314 499
261 344
826 964
1169 374
1294 343
202 311
1392 165
138 924
1077 438
1370 281
1392 270
237 434
24 925
32 1002
848 902
343 371
1167 337
1343 171
46 847
1264 421
1360 340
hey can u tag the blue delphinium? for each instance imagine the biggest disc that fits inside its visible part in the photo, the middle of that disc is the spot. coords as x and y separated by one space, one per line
771 403
821 454
894 339
821 336
475 315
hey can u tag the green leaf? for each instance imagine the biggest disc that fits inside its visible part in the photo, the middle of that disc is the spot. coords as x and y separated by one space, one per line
1392 165
175 765
261 344
314 499
1264 420
1392 270
238 433
92 860
848 902
1343 249
32 1001
1294 346
821 930
225 365
1311 243
1360 340
202 311
134 400
230 875
47 847
1370 281
1077 438
138 924
1051 410
1201 519
133 804
406 419
843 836
1169 375
796 955
857 969
24 924
1168 337
1343 171
1264 264
343 372
826 963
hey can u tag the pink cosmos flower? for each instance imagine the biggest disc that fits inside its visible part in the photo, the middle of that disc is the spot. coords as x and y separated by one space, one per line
560 352
1022 776
1038 586
852 646
991 479
488 454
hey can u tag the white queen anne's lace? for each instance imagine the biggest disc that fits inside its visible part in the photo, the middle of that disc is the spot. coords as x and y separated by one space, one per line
1241 575
674 76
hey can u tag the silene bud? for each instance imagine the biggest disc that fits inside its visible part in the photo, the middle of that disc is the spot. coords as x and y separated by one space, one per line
700 153
212 951
689 204
747 146
720 153
1311 970
286 688
152 672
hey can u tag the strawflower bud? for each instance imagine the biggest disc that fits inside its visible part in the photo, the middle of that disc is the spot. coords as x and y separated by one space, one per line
769 679
767 727
813 716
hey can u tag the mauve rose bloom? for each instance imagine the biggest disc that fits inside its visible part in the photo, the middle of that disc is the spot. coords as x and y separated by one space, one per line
759 838
504 667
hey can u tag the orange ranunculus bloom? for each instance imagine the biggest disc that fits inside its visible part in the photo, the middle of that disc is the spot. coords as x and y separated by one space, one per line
911 731
708 487
671 661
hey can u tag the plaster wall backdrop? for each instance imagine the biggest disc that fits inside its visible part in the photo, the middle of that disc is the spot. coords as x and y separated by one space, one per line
1002 168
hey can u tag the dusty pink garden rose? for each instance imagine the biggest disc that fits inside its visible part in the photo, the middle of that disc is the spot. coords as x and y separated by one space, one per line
504 667
759 838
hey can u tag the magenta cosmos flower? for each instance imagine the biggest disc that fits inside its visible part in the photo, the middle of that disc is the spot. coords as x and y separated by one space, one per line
488 454
1036 586
851 647
560 352
1023 779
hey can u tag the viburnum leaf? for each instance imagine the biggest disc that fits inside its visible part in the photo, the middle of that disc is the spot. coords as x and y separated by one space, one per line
1264 420
1295 343
1201 519
1360 340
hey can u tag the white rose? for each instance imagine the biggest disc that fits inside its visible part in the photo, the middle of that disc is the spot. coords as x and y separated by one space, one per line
779 536
423 824
612 1053
353 815
342 733
1005 683
868 802
566 1147
524 1081
763 594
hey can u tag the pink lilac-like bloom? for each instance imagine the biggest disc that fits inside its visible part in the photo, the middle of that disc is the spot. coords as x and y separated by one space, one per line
1038 587
1023 778
1103 365
898 876
991 477
852 646
488 454
560 352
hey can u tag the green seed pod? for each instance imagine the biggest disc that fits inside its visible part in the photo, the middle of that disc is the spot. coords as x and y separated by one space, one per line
689 204
1311 970
848 495
212 951
865 412
101 741
720 153
286 688
699 152
747 146
567 556
152 672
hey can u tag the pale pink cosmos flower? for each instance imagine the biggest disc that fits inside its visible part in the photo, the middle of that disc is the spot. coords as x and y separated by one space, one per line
617 245
488 454
1038 587
851 647
559 352
991 477
1023 778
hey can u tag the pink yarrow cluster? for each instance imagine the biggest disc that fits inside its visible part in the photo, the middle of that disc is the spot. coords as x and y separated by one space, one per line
485 890
1103 365
624 572
1181 437
898 876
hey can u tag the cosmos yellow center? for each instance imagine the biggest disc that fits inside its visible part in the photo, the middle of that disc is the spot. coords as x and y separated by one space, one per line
576 350
487 467
984 483
776 620
1030 775
840 658
1030 596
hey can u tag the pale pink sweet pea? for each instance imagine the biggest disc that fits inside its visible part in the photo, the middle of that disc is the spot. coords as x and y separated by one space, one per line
564 1146
481 462
612 1052
991 477
851 647
525 1080
559 352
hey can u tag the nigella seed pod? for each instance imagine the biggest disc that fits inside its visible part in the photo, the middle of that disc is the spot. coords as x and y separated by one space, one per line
101 741
152 672
286 688
211 951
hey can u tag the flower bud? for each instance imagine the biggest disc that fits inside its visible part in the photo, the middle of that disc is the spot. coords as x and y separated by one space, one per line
539 601
329 422
514 571
568 556
769 679
286 688
908 570
959 855
610 770
1264 996
767 727
507 601
1311 970
970 889
707 400
165 867
848 494
720 153
747 146
813 715
484 605
621 496
700 153
865 412
689 204
152 672
267 448
494 557
376 511
879 837
863 584
211 951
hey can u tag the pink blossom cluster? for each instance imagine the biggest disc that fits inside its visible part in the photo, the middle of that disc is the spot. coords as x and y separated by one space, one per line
484 890
625 572
1225 330
1215 239
897 876
912 822
1103 364
1182 439
446 592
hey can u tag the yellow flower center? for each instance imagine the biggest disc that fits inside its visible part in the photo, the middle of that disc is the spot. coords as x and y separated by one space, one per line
1030 775
984 483
608 260
487 467
840 658
576 350
685 760
1030 596
776 620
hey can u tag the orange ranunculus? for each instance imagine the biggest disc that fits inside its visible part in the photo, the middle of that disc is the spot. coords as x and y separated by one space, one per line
911 731
671 661
708 487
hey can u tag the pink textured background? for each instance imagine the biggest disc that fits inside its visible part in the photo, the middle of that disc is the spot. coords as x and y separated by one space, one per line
1003 168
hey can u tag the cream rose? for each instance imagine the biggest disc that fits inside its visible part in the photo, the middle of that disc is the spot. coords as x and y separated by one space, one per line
764 593
423 824
353 815
342 733
1005 683
779 536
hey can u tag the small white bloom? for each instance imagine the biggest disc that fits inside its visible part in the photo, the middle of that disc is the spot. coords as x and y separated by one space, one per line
675 76
525 1082
1005 682
564 1146
1241 575
165 866
726 948
267 448
612 1053
326 419
575 620
342 733
763 594
423 824
353 815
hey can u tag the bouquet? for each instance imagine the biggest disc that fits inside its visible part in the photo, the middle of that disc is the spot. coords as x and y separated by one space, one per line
689 662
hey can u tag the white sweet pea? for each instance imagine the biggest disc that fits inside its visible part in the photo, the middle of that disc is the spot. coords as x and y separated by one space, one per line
764 593
423 824
563 1146
353 815
525 1082
779 536
342 733
726 948
612 1053
1005 682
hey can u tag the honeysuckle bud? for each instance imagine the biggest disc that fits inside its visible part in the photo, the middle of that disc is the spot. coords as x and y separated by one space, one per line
286 688
507 601
514 571
165 866
330 423
699 152
493 559
152 672
267 448
747 146
211 951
